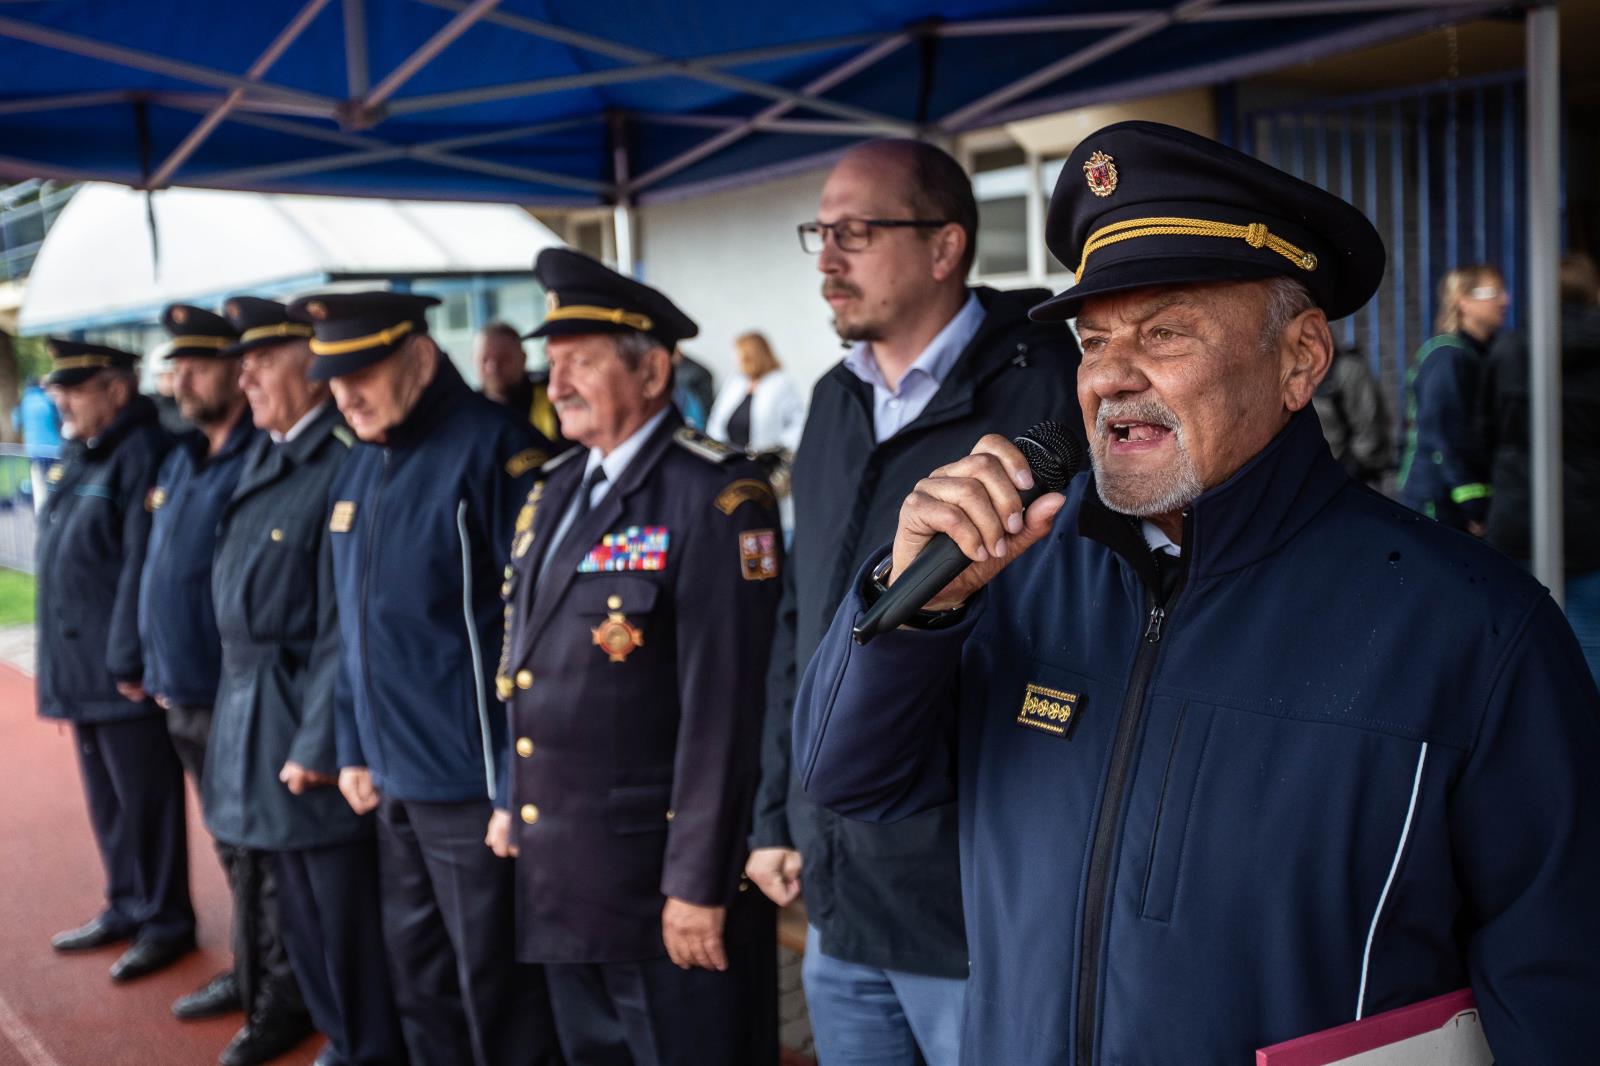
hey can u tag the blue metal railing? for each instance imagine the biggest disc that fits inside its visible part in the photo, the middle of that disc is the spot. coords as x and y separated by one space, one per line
1437 169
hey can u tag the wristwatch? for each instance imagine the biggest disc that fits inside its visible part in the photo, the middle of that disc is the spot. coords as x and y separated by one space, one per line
874 586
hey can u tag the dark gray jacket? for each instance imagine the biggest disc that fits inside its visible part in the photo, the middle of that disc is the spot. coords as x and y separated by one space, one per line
93 532
272 583
889 895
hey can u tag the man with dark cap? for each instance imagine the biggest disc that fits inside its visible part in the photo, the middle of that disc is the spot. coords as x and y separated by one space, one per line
178 629
420 527
273 790
1242 749
93 532
639 607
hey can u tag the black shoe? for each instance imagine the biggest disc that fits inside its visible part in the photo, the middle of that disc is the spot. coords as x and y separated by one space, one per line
265 1037
216 997
148 956
97 934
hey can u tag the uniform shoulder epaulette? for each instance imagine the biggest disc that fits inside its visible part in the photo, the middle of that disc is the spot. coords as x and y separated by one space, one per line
707 448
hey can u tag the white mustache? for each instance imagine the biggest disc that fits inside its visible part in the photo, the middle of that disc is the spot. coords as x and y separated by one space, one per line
1149 411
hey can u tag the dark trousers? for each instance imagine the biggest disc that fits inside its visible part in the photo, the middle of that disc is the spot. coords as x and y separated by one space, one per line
260 963
648 1014
328 901
447 924
134 786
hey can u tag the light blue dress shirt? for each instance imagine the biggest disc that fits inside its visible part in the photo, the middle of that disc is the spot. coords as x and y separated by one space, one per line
894 409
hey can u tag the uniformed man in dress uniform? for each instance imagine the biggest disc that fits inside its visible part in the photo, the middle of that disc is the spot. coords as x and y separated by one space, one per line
640 604
183 657
274 766
420 526
93 532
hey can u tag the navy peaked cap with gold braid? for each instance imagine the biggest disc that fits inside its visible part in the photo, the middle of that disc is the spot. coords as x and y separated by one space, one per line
74 362
262 322
586 296
195 333
1140 204
352 330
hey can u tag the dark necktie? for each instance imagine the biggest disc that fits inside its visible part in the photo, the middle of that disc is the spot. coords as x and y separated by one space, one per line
596 478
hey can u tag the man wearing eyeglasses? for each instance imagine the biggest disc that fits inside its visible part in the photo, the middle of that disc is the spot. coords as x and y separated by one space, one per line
932 365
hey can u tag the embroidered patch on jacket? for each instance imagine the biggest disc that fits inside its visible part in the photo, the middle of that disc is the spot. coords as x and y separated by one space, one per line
56 472
744 490
634 548
155 498
1048 709
343 517
524 461
758 554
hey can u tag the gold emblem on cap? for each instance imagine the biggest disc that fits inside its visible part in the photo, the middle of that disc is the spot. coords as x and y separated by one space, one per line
180 315
317 310
1101 174
230 308
552 301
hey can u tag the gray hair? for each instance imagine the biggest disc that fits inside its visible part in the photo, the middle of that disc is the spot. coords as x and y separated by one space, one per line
1287 300
633 346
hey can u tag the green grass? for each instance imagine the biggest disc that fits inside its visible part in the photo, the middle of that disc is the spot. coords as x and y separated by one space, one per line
16 598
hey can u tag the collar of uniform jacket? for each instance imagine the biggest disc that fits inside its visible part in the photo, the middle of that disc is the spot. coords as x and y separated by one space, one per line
1244 519
304 444
445 391
140 409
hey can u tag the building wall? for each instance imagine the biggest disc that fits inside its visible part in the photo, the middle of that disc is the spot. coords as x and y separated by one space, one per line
733 263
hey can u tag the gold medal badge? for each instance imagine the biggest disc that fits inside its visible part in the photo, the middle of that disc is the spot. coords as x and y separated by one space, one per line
617 636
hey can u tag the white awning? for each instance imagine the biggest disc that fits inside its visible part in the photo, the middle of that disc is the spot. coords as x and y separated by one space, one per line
97 265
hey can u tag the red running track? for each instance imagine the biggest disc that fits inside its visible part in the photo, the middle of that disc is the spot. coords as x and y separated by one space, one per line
63 1010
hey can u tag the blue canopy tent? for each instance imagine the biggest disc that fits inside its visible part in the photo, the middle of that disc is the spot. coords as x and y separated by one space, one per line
570 102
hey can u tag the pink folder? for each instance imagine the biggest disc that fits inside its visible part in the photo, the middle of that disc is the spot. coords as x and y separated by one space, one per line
1444 1031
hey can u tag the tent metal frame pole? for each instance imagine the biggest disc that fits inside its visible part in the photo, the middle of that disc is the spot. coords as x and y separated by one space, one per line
1305 8
137 60
1544 317
356 74
871 57
213 118
64 102
374 150
699 69
806 127
408 68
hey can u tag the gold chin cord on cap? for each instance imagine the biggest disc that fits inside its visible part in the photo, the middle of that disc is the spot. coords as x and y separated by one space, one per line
615 315
281 329
81 362
356 344
1256 235
198 341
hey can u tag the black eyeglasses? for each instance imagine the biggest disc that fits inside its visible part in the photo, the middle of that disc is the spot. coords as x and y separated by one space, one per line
855 234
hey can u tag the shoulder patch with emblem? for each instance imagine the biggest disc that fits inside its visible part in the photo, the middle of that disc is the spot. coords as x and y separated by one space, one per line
343 517
745 490
707 448
758 554
524 461
344 436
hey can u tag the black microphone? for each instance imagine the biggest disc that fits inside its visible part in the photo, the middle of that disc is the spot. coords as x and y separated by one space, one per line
1053 454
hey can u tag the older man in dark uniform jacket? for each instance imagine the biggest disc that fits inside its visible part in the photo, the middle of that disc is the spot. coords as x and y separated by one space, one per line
420 527
93 531
641 600
272 786
183 655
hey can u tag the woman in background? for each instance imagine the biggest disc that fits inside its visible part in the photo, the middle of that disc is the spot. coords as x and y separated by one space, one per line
759 407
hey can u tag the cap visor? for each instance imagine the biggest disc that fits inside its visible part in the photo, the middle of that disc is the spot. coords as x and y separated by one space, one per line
1147 274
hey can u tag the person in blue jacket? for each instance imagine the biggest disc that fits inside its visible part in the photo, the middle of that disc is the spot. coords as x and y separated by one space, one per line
1242 749
183 657
93 532
1444 471
40 425
420 525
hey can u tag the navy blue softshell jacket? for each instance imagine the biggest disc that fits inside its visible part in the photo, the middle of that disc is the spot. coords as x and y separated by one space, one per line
1348 766
177 623
1444 470
421 531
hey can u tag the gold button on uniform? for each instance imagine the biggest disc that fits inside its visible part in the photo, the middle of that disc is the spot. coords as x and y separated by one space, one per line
613 602
524 678
671 815
277 534
530 813
524 747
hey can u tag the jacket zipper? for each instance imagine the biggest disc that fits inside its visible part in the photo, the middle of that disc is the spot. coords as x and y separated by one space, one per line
366 583
1108 824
